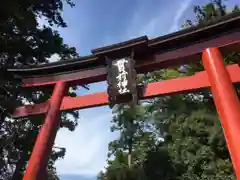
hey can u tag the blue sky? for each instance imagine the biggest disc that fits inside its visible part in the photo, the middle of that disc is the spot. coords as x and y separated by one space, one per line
93 24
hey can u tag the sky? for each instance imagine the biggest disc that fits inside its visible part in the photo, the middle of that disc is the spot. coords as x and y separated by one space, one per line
93 24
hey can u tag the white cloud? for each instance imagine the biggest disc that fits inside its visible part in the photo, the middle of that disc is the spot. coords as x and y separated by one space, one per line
183 7
55 57
151 27
140 26
163 21
87 146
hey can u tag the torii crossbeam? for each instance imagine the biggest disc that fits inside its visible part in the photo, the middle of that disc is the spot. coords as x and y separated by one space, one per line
207 43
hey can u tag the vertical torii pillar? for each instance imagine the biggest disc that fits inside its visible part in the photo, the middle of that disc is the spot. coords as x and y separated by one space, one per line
37 164
226 101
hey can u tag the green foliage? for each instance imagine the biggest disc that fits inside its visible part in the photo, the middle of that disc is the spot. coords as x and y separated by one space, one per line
195 140
129 120
194 146
24 42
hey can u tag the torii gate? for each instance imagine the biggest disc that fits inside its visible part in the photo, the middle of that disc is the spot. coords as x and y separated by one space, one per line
206 42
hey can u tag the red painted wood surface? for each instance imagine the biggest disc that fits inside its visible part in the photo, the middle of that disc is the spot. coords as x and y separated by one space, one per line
154 62
226 101
37 164
178 85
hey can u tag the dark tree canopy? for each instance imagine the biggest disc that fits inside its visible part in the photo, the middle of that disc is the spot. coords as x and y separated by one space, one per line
24 42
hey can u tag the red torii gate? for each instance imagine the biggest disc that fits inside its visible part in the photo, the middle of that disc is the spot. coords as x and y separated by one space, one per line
192 44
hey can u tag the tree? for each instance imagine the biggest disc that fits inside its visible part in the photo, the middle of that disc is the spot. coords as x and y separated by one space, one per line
23 42
194 145
193 134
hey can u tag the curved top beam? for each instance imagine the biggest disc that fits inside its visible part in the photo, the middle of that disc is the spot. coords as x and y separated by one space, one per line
142 47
